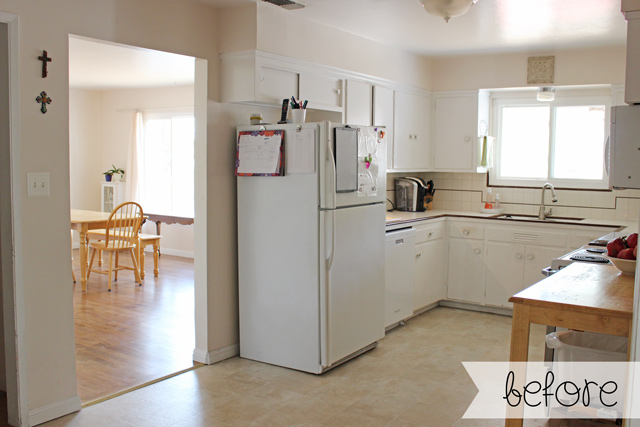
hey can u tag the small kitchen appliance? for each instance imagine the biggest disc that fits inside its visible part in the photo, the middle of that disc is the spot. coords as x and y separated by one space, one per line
413 194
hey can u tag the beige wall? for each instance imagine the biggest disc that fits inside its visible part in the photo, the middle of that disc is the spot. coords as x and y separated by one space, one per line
580 67
179 27
272 29
85 148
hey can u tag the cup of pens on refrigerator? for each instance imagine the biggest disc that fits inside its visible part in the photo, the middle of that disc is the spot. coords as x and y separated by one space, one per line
298 110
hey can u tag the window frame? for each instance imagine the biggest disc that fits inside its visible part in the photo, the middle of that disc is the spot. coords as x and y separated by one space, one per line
528 99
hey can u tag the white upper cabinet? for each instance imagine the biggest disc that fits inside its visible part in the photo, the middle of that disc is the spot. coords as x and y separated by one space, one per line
456 121
322 92
383 116
276 85
359 103
256 77
412 116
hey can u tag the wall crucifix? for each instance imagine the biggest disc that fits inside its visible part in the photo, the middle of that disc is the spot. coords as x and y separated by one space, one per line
44 58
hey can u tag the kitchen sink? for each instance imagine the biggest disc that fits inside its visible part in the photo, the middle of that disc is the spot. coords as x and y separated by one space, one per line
535 218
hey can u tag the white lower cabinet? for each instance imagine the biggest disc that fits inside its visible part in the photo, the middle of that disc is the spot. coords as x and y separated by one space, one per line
466 267
430 272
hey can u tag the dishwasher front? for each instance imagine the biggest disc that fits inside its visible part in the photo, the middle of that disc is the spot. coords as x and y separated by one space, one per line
399 266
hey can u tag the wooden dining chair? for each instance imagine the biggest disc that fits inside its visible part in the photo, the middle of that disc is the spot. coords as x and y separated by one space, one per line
121 235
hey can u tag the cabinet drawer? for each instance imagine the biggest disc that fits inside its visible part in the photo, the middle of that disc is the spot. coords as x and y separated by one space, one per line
468 230
425 233
525 236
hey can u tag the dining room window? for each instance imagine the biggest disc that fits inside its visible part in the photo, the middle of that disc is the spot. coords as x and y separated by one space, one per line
168 163
561 142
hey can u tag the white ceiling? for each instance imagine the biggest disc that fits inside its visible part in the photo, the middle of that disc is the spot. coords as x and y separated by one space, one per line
105 66
491 26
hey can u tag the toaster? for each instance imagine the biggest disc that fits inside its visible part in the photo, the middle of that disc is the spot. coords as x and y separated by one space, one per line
410 194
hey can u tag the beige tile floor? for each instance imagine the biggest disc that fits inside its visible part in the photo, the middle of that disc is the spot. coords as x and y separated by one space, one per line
413 378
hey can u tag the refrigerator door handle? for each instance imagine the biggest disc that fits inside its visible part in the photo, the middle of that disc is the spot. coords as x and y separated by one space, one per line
333 242
331 159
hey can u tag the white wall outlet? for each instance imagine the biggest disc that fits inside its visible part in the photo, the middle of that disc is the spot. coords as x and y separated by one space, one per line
38 184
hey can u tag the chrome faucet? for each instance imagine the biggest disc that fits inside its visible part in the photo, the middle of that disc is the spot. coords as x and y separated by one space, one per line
543 215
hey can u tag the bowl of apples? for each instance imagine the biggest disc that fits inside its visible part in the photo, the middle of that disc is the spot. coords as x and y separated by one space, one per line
622 253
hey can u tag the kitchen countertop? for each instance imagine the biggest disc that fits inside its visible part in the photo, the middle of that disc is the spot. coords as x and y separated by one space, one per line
395 218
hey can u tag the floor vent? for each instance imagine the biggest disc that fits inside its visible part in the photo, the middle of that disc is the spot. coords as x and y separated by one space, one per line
286 4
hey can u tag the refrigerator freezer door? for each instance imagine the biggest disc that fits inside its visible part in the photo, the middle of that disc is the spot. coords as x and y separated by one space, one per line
371 168
354 290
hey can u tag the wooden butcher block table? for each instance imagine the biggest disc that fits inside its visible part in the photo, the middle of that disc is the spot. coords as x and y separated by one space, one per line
582 296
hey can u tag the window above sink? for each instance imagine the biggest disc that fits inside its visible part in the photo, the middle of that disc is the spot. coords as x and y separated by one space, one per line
561 142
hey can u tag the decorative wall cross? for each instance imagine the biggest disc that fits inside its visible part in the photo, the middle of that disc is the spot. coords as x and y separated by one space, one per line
44 58
44 100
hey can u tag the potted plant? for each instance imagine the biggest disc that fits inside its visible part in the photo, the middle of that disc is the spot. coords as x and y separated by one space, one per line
114 171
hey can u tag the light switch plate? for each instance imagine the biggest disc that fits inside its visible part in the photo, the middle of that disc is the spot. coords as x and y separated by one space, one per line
38 184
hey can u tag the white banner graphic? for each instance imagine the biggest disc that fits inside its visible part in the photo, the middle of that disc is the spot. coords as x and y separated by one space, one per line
535 390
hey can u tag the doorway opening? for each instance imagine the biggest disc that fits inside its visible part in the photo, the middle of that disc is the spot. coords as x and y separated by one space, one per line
134 109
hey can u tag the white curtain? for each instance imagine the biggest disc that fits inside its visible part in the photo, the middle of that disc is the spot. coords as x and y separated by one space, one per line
135 164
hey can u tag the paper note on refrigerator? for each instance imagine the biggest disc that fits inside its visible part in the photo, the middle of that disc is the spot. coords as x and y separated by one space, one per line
301 151
259 153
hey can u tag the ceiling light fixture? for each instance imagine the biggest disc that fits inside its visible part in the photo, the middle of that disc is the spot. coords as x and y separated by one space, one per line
546 93
447 9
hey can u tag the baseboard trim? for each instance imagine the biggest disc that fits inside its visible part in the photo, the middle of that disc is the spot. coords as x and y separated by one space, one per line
215 356
173 252
474 307
54 410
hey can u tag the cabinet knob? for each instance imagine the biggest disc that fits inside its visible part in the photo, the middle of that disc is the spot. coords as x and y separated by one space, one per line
418 256
261 78
430 234
529 256
477 251
467 138
465 232
519 255
338 91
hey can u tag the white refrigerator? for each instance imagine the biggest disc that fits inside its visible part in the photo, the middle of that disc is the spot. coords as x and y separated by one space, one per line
311 248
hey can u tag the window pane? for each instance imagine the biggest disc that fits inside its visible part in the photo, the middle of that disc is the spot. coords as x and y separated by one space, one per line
183 166
524 144
157 166
579 142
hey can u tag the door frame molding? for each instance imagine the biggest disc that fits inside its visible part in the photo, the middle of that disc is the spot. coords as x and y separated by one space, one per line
11 228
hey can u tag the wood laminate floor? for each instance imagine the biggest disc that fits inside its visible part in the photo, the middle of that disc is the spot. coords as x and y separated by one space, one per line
133 334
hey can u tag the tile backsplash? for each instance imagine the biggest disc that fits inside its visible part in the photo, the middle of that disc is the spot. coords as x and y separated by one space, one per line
468 192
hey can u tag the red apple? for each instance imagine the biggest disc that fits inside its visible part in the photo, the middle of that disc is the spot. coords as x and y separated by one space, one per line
632 240
615 246
626 254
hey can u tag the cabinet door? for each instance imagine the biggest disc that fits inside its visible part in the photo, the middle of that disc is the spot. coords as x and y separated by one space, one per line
359 103
429 274
276 85
455 133
383 116
322 92
411 148
537 258
466 266
504 273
